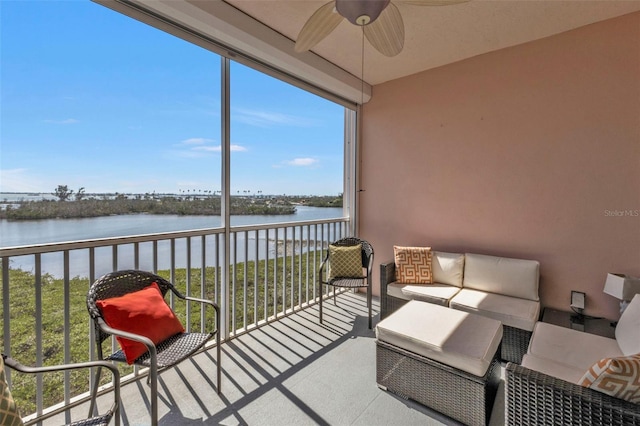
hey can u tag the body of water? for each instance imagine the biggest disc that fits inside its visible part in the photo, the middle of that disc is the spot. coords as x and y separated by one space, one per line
31 232
24 233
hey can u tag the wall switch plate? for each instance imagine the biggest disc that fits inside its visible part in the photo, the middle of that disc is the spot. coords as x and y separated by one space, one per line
578 300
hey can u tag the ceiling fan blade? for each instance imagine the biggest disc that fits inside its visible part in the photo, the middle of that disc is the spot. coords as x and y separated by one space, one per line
386 33
432 2
319 25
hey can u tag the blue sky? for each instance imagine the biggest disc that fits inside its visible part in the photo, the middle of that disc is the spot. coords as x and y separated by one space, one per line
91 98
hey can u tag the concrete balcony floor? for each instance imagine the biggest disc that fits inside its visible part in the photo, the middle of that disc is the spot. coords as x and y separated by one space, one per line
294 371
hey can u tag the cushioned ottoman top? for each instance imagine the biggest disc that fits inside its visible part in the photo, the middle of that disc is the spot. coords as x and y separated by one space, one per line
459 339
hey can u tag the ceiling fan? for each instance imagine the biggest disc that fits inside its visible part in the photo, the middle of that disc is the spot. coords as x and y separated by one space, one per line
380 19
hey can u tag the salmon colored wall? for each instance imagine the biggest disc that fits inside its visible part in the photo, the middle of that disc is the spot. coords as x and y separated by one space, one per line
528 152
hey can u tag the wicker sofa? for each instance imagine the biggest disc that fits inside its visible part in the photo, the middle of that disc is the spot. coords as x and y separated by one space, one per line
547 388
501 288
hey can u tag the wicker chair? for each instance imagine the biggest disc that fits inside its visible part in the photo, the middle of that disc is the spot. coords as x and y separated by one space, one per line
365 281
532 397
158 357
97 420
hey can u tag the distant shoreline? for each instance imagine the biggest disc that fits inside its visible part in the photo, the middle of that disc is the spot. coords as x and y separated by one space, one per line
167 194
106 204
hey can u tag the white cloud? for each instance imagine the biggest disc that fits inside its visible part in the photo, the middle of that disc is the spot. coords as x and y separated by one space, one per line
184 154
269 118
206 148
237 148
234 148
66 121
196 141
201 147
302 162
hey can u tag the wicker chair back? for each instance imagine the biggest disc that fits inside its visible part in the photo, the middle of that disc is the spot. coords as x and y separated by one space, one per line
367 249
117 284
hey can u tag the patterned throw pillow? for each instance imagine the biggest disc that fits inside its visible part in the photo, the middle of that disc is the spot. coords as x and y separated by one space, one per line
345 261
413 265
9 414
618 377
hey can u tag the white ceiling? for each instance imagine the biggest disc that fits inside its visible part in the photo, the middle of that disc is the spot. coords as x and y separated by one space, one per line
435 36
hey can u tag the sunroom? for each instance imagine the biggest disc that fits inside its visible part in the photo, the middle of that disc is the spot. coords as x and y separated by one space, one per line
501 128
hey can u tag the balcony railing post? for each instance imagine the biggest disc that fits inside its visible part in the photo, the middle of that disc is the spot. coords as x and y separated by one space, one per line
38 325
245 281
188 283
67 335
232 281
266 274
275 274
203 280
92 331
293 266
256 267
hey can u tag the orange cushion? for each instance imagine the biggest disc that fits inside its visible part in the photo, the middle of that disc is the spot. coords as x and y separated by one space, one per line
413 265
143 312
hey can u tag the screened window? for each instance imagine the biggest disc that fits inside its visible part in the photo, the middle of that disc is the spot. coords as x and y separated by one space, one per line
122 122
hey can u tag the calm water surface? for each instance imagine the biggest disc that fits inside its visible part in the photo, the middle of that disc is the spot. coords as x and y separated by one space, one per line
30 232
20 233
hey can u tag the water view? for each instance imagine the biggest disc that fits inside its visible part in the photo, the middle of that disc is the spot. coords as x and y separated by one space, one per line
33 232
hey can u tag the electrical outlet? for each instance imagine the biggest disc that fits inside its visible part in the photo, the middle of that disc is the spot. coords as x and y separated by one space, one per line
578 300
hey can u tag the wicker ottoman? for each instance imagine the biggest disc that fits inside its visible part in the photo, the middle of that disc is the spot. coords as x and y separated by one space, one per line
442 358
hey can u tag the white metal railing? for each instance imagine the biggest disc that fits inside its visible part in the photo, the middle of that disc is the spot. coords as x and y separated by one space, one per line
271 270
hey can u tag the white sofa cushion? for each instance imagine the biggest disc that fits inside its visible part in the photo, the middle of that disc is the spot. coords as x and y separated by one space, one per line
628 328
502 275
458 339
553 368
440 294
448 268
511 311
571 347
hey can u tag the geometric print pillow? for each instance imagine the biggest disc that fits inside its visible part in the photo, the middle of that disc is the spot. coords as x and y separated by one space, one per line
345 262
9 414
413 265
618 377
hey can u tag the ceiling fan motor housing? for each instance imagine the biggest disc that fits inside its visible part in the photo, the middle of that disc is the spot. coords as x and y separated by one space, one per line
361 12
